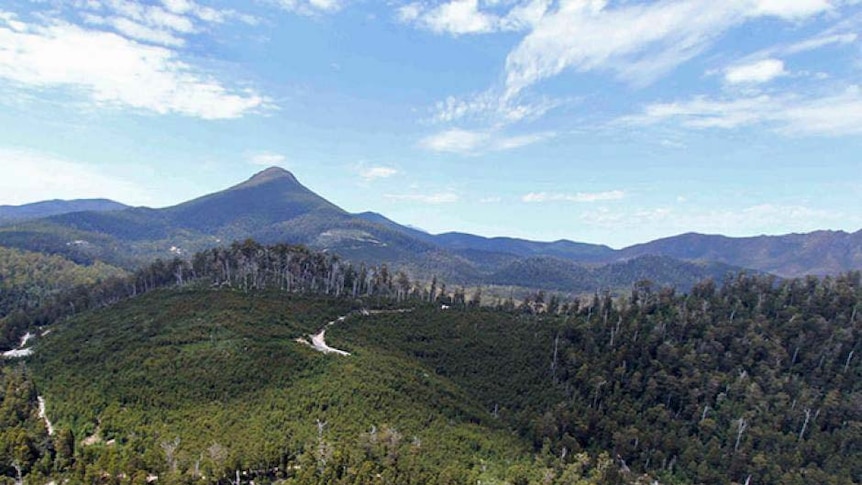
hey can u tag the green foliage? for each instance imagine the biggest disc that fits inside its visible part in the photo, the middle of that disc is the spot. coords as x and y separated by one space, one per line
200 377
25 448
706 387
30 281
220 371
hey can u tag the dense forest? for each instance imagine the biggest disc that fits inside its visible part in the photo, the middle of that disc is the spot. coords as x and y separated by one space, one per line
39 289
748 380
190 371
33 282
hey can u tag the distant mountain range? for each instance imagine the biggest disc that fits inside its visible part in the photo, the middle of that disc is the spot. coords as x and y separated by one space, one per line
13 213
273 206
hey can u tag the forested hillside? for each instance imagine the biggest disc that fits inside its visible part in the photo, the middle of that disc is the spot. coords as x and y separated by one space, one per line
194 371
748 380
29 281
195 385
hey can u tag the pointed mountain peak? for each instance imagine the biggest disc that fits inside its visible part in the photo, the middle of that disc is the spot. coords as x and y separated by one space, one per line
268 175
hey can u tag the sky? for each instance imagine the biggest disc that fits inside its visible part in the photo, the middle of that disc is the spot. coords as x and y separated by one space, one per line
603 121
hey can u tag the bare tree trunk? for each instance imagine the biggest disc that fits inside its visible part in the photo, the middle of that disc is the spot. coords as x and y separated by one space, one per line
741 427
170 449
805 424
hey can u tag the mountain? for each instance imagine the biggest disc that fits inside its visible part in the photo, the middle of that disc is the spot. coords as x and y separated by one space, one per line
496 251
817 253
273 206
273 196
36 210
563 275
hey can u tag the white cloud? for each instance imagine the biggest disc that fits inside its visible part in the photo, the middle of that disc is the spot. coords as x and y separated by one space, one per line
369 174
767 218
459 17
831 115
457 140
577 197
790 9
492 106
410 12
163 24
30 176
435 198
639 42
757 72
266 159
178 6
311 7
134 30
113 70
820 42
511 142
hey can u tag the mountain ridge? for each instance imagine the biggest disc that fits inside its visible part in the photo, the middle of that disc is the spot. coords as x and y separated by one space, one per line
47 208
273 206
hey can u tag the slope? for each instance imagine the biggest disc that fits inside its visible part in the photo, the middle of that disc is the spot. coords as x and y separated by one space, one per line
216 376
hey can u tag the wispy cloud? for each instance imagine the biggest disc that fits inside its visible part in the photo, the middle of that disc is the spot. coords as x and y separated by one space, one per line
266 159
746 221
492 107
831 114
465 142
455 140
30 176
163 24
638 41
116 69
819 42
576 197
370 174
757 72
435 198
311 7
462 17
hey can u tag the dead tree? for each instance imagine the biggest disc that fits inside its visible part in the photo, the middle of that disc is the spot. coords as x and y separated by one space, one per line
740 429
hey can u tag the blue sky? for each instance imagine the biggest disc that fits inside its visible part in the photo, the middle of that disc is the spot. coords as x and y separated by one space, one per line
611 122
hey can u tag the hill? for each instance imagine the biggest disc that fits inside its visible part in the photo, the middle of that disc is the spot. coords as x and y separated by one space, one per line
31 280
567 276
751 381
202 384
791 255
37 210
